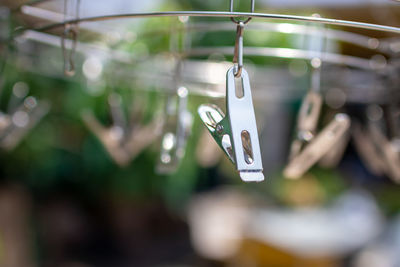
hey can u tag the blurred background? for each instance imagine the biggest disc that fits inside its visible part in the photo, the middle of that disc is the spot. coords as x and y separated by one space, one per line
104 160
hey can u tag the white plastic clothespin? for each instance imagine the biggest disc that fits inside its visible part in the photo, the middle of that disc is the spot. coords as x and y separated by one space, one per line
236 133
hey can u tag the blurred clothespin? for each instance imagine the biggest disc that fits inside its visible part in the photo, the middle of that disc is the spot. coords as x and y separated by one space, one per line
332 158
177 128
318 146
123 142
24 112
365 146
309 146
386 145
390 151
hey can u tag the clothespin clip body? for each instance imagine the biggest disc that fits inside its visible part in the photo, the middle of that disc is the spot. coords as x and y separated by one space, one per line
309 146
307 122
178 127
369 153
319 146
236 133
332 158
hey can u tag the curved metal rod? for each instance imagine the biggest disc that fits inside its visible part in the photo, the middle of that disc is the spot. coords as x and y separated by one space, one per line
340 35
337 22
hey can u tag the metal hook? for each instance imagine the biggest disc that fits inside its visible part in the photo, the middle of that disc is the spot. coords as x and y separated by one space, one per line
69 30
238 52
240 21
69 65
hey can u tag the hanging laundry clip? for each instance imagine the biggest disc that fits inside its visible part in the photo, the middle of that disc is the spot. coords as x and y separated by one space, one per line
365 146
236 133
123 142
178 125
332 158
309 147
385 158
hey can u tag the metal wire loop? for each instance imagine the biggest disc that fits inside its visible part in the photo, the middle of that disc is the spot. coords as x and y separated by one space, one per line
238 21
70 29
238 52
68 56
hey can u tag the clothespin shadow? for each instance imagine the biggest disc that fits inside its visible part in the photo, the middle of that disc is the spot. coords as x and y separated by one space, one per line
236 133
177 129
123 142
24 113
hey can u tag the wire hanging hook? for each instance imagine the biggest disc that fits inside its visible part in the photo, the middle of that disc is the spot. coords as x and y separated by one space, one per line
68 57
238 21
70 29
317 45
238 52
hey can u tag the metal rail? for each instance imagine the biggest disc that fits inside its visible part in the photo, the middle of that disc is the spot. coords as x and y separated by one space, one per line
337 22
340 35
